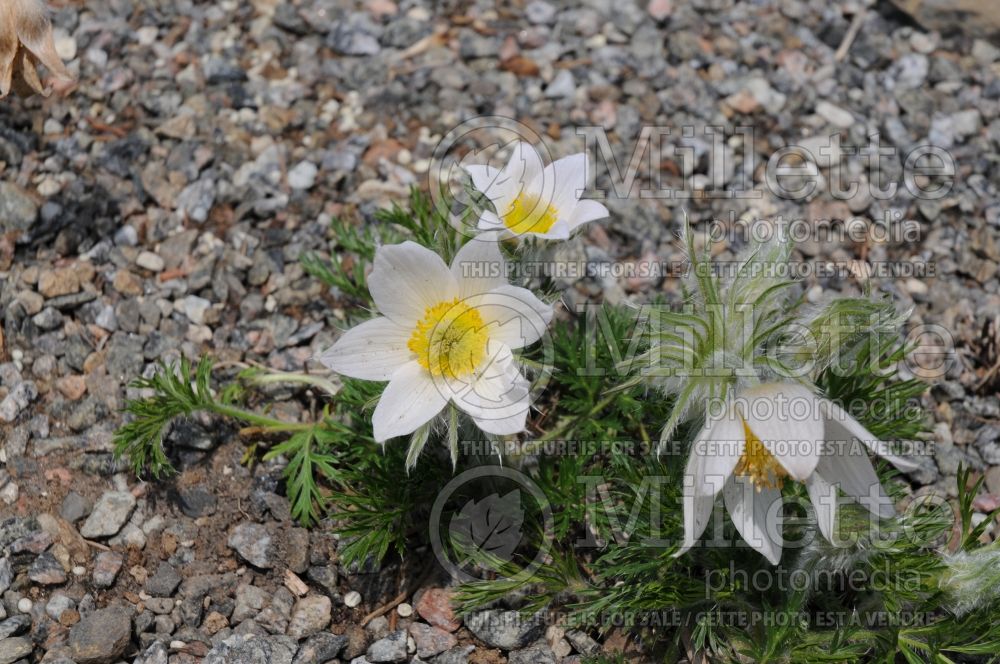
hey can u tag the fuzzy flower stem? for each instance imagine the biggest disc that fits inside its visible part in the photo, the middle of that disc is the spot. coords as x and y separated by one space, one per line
257 420
272 377
680 407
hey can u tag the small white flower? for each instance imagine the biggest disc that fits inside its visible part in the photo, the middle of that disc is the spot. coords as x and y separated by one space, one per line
532 200
770 433
445 335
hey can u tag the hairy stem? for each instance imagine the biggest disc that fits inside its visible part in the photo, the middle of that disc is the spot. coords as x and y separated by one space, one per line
256 419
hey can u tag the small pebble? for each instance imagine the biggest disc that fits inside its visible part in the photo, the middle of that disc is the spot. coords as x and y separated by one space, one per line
352 599
303 176
150 261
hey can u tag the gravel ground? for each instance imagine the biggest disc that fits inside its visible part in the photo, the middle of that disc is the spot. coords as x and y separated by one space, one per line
160 209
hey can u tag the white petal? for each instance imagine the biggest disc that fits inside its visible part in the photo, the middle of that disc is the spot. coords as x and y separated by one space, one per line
488 221
479 267
823 497
525 163
788 421
569 181
838 420
559 231
846 463
407 279
698 504
714 454
717 449
513 315
750 511
586 210
372 350
484 179
498 398
410 400
521 171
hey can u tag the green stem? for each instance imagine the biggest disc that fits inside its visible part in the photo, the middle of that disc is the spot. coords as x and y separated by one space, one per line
257 420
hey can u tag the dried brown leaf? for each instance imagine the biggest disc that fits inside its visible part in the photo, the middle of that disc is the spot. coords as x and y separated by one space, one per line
25 41
521 66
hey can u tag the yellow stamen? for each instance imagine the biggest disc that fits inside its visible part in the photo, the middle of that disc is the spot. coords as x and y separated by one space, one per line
450 340
758 464
528 214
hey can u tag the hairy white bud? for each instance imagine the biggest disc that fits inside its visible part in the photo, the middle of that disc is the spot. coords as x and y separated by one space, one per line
971 580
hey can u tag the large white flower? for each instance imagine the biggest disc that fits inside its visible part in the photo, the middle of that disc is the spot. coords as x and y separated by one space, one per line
445 335
532 200
770 433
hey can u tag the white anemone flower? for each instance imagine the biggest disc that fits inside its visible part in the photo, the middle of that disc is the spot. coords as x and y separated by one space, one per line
445 335
532 200
770 433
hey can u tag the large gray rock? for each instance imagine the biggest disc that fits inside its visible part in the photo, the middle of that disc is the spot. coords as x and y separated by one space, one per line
252 649
249 602
109 515
154 654
74 507
972 17
390 649
14 649
504 629
101 636
320 648
47 571
536 654
457 655
253 543
309 616
431 640
107 564
17 400
18 210
6 574
164 582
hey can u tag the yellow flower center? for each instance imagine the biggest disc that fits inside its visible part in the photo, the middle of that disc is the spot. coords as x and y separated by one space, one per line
758 464
528 214
450 340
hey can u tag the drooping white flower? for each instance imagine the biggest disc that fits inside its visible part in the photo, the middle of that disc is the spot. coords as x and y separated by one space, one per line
744 325
445 335
534 200
770 433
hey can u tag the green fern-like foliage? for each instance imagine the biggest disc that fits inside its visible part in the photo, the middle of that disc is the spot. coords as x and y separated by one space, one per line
176 393
594 451
346 273
353 246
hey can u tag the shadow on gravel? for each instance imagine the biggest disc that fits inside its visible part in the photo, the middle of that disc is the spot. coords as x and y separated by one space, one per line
74 220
